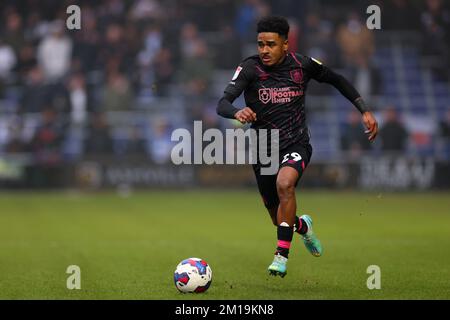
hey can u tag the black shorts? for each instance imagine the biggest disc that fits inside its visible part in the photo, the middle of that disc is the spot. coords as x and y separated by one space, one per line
296 156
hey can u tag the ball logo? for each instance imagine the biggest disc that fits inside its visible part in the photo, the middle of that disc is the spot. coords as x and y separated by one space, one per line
264 95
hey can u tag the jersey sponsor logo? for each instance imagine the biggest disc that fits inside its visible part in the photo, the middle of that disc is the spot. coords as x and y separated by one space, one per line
279 95
236 73
296 75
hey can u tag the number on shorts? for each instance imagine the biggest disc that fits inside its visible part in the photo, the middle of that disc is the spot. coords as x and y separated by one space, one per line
295 156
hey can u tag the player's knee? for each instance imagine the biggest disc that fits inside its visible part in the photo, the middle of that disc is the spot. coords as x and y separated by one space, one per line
285 187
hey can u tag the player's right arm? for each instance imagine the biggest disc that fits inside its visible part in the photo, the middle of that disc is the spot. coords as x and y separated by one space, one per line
240 81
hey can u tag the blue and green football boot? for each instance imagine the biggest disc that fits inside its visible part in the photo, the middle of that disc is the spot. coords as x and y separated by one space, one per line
278 266
312 243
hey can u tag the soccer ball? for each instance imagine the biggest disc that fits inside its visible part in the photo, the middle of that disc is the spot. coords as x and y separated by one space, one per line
193 275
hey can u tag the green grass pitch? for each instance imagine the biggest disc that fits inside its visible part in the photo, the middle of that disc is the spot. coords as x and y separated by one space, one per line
128 247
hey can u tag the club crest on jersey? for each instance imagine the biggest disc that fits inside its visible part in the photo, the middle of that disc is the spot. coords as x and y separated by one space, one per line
265 95
296 75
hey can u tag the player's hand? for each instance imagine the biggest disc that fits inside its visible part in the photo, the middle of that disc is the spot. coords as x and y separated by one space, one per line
371 124
245 115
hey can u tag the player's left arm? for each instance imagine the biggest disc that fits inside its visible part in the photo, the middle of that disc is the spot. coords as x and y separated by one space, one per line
322 73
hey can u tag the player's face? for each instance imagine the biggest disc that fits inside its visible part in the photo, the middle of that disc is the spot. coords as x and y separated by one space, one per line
272 48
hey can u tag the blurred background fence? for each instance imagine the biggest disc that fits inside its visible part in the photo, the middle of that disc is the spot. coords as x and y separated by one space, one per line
96 107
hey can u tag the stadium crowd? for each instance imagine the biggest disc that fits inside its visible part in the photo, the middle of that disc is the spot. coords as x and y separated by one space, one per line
59 87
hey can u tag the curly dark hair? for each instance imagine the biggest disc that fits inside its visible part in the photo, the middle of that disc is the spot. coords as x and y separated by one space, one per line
275 24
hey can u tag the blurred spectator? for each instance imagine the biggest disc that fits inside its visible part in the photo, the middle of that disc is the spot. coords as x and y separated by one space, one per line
136 144
7 63
197 108
421 131
436 22
11 135
59 98
444 125
211 14
36 26
227 51
78 99
148 55
47 140
13 34
366 78
111 10
35 95
26 61
209 117
197 69
353 138
318 39
152 45
399 15
355 40
133 44
444 133
116 94
247 15
98 138
294 35
393 134
189 37
164 72
15 143
296 10
112 50
144 9
54 53
87 43
7 60
159 142
436 35
46 147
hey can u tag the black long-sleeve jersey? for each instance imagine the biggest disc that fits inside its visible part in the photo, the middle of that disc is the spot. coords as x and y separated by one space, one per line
277 94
